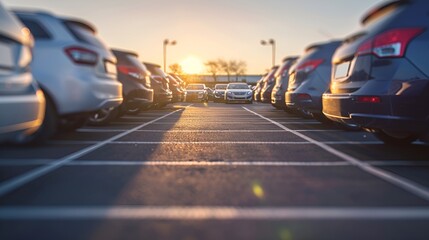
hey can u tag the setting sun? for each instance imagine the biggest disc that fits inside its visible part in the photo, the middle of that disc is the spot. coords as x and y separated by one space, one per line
192 65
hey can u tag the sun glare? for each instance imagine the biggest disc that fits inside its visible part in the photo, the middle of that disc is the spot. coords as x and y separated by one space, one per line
192 65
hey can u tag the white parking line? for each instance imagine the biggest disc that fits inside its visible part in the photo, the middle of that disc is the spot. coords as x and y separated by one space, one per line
216 142
23 179
88 130
392 178
37 162
237 123
213 213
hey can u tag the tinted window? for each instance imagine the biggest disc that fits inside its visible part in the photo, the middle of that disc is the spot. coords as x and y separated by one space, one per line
37 29
84 34
238 86
134 61
195 87
220 86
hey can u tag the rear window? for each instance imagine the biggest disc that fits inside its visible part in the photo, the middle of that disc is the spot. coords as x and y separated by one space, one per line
84 33
380 13
134 61
37 29
155 70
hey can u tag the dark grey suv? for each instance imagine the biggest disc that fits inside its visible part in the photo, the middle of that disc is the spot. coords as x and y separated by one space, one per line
380 76
282 80
309 78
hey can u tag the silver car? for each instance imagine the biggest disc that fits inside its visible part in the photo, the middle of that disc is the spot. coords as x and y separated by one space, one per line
22 103
238 92
74 68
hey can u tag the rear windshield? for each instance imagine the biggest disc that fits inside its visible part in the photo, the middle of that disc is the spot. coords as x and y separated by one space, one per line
382 12
134 61
36 29
154 70
195 87
84 34
238 86
223 86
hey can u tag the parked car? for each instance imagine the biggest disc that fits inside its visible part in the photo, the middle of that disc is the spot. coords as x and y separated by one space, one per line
22 103
282 80
210 94
182 85
238 92
257 89
381 74
74 68
160 85
196 92
135 79
309 78
219 92
268 85
178 92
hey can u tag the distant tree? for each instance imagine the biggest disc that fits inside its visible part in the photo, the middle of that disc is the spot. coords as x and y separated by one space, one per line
213 68
176 69
226 67
238 68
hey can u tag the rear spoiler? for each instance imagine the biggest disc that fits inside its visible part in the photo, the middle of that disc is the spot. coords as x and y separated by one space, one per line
374 12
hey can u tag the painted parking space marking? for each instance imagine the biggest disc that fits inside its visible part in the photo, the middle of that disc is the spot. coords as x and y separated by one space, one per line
392 178
21 180
211 213
218 142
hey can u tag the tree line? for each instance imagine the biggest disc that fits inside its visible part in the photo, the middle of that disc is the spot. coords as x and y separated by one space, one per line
216 67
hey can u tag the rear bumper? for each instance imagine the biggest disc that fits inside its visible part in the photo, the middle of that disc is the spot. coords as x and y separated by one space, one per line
162 97
21 115
312 105
278 99
387 115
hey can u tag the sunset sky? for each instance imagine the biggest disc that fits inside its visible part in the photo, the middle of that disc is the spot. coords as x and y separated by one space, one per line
207 30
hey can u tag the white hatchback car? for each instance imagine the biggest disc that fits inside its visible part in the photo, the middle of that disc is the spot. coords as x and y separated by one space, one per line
74 68
22 104
238 92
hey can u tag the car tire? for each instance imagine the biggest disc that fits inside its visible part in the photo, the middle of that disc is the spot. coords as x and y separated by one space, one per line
103 116
48 128
395 138
72 125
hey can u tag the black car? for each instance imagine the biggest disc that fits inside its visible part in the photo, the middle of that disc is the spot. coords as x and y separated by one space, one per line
309 78
380 76
136 83
176 89
219 92
162 93
267 85
282 80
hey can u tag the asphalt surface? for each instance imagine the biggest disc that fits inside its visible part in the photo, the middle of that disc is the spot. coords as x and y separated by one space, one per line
214 171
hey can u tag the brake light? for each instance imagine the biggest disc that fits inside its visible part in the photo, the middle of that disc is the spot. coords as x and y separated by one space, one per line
309 66
303 96
131 71
82 56
392 43
369 99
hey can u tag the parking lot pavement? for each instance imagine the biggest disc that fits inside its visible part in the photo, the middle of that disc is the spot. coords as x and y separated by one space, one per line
214 171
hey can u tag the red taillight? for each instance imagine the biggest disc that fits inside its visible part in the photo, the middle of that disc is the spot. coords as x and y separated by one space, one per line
309 66
392 43
369 99
303 96
81 55
131 71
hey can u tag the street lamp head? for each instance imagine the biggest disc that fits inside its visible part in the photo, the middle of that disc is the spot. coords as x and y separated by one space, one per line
272 41
166 41
174 42
263 42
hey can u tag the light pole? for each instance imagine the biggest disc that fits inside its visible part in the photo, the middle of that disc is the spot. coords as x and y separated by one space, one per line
165 43
271 42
